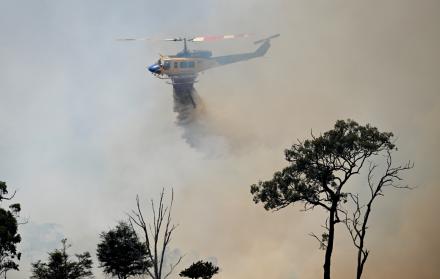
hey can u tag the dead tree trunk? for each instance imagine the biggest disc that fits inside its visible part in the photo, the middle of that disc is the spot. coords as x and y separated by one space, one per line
157 234
357 222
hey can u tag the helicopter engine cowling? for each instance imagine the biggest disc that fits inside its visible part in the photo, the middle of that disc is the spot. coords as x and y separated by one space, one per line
195 54
201 53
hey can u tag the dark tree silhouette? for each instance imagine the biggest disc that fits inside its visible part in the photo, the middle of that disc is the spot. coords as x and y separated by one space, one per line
318 170
157 235
60 266
9 237
121 254
200 269
356 221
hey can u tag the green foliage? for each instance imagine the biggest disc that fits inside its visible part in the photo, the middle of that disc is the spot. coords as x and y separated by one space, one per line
200 269
59 265
121 253
3 190
9 237
319 167
317 171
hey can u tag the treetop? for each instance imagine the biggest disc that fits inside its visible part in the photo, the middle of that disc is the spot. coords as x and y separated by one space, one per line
319 167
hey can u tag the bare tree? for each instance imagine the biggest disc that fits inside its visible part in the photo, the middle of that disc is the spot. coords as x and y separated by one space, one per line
356 221
157 234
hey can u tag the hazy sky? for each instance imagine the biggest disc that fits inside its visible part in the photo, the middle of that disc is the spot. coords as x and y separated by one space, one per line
84 127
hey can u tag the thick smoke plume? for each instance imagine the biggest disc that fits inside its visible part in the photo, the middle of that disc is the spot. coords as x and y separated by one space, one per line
191 116
82 122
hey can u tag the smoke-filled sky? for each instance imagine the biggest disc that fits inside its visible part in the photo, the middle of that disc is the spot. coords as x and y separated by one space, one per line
84 127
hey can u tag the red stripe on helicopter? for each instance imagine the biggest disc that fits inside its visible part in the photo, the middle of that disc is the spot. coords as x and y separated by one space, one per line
216 38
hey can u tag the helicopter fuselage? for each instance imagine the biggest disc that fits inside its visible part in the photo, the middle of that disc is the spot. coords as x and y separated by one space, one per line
186 65
172 66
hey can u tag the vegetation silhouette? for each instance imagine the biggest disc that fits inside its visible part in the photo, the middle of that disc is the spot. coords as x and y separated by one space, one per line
59 265
157 234
316 176
9 236
200 269
318 170
356 221
120 252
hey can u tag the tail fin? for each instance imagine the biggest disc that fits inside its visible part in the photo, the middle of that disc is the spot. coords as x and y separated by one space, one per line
261 50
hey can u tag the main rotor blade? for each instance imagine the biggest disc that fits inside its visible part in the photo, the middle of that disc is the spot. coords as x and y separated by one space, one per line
217 38
173 39
133 39
267 39
195 39
149 39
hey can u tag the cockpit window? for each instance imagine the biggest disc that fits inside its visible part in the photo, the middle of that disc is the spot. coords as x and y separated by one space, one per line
166 64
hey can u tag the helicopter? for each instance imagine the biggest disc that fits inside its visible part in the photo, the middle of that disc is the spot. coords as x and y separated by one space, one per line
183 68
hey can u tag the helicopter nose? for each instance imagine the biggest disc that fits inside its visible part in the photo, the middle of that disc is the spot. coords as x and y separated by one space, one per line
155 69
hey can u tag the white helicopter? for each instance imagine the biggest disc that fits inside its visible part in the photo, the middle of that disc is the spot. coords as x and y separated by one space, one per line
183 68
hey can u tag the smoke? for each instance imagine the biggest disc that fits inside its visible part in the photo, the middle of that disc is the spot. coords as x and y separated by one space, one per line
85 129
192 117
